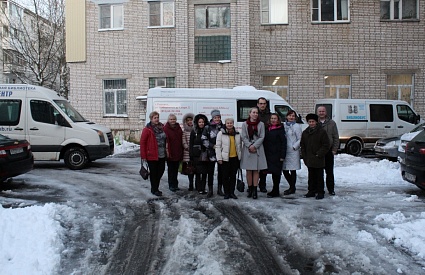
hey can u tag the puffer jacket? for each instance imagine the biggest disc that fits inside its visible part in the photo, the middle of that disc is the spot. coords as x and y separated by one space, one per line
222 146
314 146
186 136
209 136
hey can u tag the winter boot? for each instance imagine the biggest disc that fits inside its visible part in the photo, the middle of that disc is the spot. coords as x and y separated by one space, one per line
210 191
275 192
220 190
250 190
254 192
190 186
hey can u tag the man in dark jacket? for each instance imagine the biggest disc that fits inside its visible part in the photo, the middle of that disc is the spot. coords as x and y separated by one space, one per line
331 129
264 115
314 146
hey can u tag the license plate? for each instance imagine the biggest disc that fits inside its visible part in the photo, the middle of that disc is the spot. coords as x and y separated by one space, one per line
410 177
15 151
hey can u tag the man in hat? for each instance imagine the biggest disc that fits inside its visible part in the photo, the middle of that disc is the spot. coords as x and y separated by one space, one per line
314 146
331 129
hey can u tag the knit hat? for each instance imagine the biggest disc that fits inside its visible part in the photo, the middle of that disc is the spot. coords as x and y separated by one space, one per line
215 113
312 116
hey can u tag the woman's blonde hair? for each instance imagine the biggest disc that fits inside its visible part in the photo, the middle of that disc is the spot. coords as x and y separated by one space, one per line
229 119
152 114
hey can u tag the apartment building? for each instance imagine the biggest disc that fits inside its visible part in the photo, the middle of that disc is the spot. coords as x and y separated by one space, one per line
303 50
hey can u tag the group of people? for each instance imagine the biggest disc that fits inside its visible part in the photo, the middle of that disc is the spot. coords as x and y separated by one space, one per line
265 145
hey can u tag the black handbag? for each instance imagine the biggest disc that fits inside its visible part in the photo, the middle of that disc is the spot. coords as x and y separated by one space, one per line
240 185
144 170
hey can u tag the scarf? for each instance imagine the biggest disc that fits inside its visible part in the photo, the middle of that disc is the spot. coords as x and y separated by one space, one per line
157 128
252 128
231 132
272 127
290 123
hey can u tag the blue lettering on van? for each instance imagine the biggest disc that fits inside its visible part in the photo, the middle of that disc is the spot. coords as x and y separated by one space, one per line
5 93
5 129
356 117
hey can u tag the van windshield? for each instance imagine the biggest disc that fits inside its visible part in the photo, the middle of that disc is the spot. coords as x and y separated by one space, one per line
70 111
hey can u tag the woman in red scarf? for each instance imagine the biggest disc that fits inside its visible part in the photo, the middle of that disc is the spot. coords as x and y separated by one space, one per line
253 157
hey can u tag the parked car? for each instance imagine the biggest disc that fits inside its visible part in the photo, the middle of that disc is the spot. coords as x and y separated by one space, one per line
15 157
388 147
413 166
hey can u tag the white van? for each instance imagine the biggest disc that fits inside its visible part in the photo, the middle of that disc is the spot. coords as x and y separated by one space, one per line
361 122
53 127
234 103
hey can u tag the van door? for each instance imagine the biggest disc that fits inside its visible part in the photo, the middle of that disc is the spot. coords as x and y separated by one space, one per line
12 118
45 135
381 122
406 119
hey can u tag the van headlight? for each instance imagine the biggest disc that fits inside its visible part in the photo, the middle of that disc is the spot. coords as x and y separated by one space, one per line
101 135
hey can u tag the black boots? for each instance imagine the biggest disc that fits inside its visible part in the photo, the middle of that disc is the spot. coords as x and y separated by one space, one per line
210 191
250 190
275 192
220 190
289 191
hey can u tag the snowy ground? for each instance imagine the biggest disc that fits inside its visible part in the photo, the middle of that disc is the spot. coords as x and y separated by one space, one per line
374 225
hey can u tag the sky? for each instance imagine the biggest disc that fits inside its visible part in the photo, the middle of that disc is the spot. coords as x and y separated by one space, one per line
33 238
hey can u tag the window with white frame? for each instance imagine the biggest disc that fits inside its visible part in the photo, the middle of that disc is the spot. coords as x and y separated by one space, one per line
278 84
274 11
400 87
115 97
161 14
111 17
330 10
337 86
164 82
212 33
399 9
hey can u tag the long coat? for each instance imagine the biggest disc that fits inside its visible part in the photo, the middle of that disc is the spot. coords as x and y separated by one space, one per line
293 138
174 142
275 149
222 147
195 139
314 146
253 161
186 136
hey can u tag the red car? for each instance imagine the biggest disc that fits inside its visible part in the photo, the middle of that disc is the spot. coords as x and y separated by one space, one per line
15 157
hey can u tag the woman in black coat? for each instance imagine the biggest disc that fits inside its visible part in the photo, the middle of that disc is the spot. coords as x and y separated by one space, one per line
195 150
275 149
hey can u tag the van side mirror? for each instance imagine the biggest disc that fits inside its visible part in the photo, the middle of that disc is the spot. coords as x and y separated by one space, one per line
418 119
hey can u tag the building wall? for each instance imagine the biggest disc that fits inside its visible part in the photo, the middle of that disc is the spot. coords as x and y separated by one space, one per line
365 48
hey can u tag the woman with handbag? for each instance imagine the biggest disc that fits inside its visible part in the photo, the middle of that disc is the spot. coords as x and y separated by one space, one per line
174 151
228 153
198 153
187 166
275 149
152 150
253 157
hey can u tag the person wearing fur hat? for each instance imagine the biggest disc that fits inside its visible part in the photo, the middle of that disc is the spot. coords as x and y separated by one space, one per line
209 137
314 146
187 123
196 148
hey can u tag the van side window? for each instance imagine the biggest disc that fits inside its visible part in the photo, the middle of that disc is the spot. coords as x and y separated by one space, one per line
381 112
10 111
244 106
42 111
405 113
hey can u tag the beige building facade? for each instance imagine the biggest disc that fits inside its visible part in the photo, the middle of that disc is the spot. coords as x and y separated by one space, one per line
303 50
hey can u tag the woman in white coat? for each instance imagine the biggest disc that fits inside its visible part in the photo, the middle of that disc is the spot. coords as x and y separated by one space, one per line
228 153
292 161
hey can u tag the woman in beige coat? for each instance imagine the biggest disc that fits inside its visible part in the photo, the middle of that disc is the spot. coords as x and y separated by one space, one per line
228 153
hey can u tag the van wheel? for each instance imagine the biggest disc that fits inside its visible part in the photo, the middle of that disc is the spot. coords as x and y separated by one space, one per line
75 158
354 147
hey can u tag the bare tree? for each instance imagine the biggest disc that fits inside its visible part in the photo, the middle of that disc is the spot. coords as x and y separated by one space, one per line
34 43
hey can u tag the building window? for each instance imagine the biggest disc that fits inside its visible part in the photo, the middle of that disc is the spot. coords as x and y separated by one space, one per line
212 33
399 9
400 87
277 84
330 10
111 17
274 11
337 86
161 14
164 82
115 96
